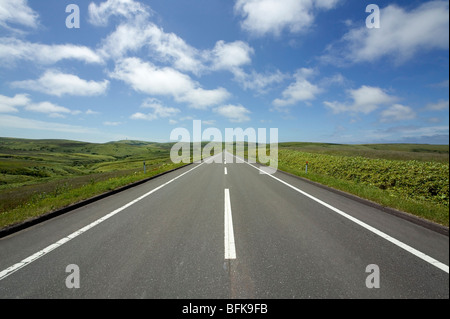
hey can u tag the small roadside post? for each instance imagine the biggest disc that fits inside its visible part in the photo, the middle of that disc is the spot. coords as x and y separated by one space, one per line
306 169
145 169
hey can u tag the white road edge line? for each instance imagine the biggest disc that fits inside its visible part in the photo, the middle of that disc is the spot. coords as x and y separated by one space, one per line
10 270
396 242
230 248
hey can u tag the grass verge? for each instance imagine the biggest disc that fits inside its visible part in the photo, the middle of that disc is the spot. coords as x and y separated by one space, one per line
46 202
430 211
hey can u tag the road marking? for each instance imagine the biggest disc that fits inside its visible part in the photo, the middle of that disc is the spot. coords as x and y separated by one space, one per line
230 249
10 270
226 172
396 242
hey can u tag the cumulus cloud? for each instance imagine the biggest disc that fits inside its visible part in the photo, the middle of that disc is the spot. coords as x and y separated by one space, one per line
168 48
401 36
57 83
234 113
229 56
13 50
299 91
165 47
158 111
129 9
147 78
262 17
365 100
17 12
10 104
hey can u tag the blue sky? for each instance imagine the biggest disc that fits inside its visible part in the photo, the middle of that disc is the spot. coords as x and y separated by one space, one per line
311 68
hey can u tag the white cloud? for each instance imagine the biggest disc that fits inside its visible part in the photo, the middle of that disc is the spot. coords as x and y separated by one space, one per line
129 9
159 111
142 116
364 100
126 38
17 12
166 47
397 112
337 79
235 113
56 83
443 84
299 91
132 37
233 57
209 122
170 48
47 108
402 35
13 50
9 104
263 17
108 123
137 32
326 4
9 121
414 134
261 81
199 98
147 78
228 56
173 49
91 112
439 106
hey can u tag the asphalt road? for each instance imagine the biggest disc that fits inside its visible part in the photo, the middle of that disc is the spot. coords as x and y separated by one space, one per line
220 231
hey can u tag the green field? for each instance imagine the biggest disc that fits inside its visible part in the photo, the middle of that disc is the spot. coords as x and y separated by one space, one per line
39 176
416 152
409 177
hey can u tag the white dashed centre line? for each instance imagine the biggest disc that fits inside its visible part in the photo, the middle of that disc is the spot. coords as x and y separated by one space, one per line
230 249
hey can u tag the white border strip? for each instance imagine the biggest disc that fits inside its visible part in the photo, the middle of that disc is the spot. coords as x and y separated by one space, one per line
10 270
396 242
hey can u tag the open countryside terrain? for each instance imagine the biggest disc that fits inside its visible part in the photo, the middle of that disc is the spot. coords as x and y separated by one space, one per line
409 177
38 176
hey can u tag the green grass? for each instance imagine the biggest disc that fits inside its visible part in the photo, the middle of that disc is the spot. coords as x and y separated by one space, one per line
431 211
68 192
404 152
39 176
389 175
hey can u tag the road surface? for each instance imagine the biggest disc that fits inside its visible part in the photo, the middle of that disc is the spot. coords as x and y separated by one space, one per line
221 231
